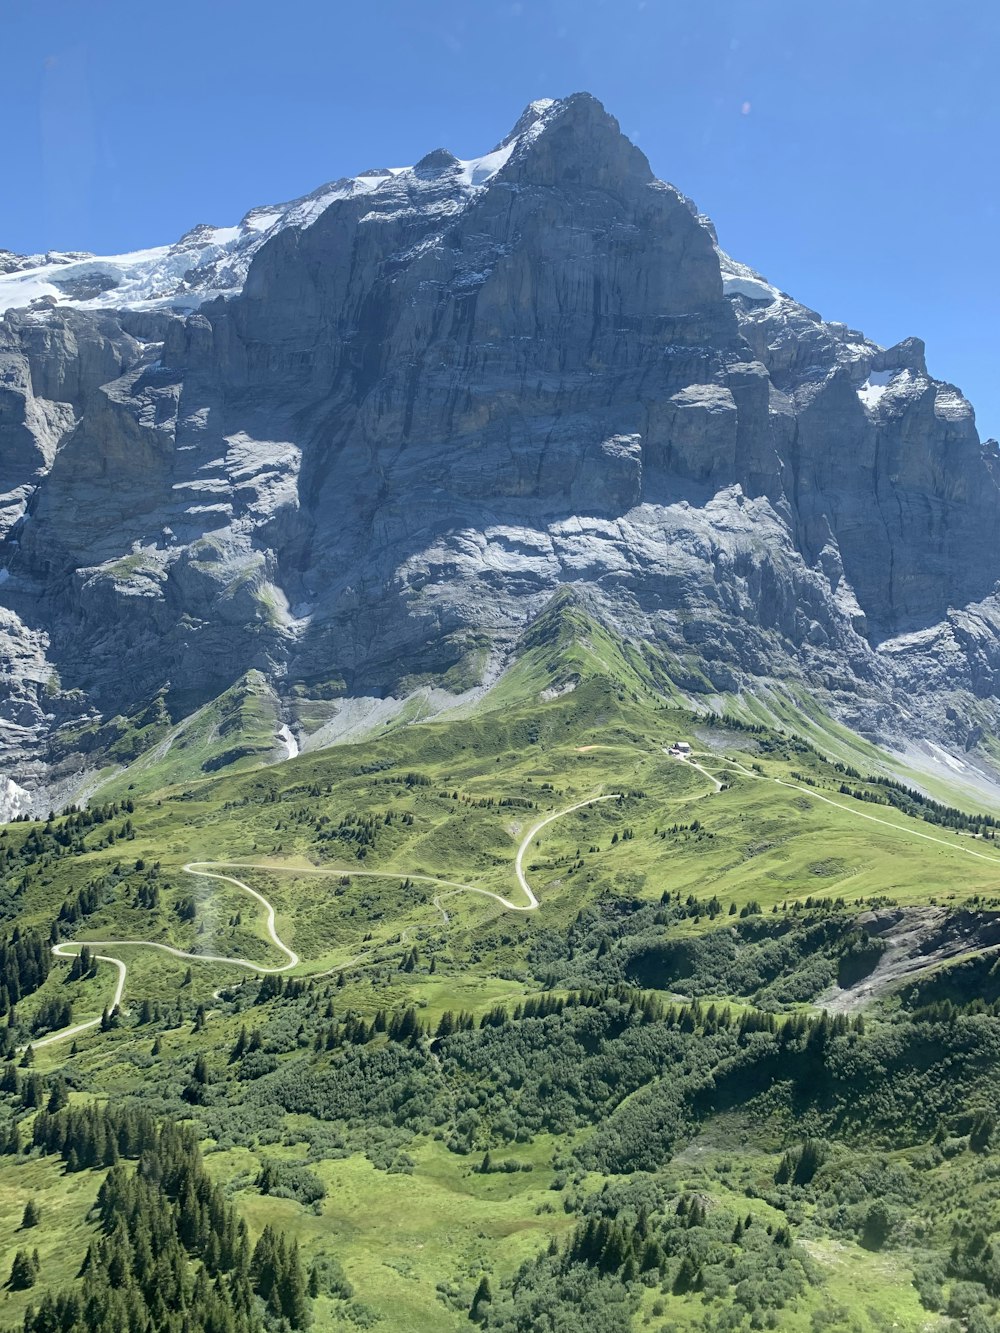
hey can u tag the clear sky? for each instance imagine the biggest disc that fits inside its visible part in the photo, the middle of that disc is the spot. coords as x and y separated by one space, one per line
848 149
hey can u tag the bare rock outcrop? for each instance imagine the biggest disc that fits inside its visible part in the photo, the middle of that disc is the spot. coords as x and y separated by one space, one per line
442 394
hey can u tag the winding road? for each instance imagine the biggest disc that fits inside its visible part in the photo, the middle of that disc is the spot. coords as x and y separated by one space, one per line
859 814
69 949
212 870
687 759
532 904
66 1034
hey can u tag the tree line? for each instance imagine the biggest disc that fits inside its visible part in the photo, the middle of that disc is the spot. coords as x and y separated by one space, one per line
173 1254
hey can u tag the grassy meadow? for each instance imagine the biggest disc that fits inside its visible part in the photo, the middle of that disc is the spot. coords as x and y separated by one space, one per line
658 1082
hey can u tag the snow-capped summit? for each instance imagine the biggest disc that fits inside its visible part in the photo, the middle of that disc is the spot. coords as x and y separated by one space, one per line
209 261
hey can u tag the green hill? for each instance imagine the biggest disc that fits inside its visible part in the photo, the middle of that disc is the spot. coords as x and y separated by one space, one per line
736 1070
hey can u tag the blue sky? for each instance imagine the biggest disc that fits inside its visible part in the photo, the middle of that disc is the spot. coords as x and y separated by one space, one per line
847 149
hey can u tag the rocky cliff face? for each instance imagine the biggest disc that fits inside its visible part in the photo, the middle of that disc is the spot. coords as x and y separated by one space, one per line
441 397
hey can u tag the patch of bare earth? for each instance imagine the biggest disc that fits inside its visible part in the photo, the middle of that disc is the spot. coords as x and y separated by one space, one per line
915 939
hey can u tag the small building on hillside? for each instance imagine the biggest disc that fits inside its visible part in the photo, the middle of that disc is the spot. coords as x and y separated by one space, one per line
680 747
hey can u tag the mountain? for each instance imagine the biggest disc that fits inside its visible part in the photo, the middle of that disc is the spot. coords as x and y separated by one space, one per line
328 466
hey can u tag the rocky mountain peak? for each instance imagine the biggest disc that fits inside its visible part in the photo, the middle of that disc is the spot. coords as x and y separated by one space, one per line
531 114
357 444
573 141
909 354
436 162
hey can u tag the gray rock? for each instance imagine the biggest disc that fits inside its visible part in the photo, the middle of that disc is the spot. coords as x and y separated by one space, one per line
454 390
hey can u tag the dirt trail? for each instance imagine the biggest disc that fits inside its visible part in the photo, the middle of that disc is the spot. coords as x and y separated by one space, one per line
215 869
859 814
66 1034
916 938
689 760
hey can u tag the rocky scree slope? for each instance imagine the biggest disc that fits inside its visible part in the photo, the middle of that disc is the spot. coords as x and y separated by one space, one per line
438 395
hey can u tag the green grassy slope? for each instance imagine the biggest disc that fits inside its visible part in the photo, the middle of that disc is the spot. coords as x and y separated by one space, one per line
236 731
738 906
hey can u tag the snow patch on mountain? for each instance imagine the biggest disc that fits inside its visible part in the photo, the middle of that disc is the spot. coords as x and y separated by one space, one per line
875 386
478 170
288 740
213 261
14 800
206 262
741 280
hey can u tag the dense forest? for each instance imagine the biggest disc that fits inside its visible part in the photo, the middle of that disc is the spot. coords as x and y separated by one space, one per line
639 1072
173 1255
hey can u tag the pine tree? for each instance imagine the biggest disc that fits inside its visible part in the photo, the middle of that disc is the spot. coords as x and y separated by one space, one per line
31 1215
22 1272
983 1128
483 1297
294 1303
263 1263
58 1096
242 1041
686 1276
